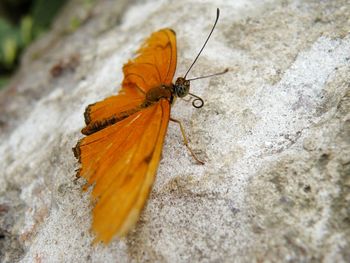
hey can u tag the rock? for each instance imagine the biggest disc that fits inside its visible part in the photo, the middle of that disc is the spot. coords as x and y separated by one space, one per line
274 132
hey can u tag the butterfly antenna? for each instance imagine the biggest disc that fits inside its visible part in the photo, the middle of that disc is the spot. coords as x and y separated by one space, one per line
216 20
211 75
196 101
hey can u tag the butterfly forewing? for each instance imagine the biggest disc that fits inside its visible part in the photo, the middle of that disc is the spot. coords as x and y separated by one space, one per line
121 199
155 62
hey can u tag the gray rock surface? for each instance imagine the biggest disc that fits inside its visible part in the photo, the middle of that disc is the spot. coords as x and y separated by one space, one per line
275 134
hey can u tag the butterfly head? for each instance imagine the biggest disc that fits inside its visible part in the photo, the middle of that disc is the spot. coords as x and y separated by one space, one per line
181 87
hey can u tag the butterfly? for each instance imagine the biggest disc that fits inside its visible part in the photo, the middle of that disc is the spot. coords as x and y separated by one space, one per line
125 134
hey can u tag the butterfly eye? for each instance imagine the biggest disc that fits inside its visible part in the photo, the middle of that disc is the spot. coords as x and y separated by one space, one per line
181 87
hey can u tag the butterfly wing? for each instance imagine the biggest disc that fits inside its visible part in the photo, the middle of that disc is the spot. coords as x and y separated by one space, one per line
121 161
120 158
154 64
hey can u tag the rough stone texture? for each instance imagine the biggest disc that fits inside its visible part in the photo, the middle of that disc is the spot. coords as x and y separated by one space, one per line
275 134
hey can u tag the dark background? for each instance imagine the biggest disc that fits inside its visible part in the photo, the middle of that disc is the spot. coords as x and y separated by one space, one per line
21 21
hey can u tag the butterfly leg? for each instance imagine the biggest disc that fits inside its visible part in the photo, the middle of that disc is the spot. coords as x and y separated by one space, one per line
186 141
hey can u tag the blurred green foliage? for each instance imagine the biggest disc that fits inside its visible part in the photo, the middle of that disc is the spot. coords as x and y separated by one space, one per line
21 21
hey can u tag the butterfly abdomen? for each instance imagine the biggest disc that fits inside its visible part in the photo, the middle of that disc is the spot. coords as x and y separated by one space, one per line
95 126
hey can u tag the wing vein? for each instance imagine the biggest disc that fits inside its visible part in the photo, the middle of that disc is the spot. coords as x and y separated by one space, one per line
171 57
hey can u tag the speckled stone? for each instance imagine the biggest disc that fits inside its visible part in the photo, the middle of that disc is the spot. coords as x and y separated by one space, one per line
274 132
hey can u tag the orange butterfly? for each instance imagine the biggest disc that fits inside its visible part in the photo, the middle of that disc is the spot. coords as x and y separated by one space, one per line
125 135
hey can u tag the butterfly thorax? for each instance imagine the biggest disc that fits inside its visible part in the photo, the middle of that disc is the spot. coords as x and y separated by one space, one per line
157 93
